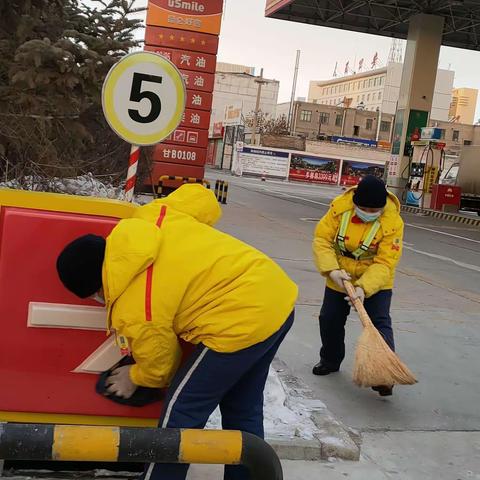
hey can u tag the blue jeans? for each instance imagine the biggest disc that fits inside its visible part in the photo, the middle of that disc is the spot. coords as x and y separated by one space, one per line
333 316
235 381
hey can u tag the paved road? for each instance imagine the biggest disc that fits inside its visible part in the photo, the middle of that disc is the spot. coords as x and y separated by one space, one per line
436 313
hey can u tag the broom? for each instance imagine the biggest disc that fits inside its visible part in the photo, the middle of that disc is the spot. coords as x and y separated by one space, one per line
375 363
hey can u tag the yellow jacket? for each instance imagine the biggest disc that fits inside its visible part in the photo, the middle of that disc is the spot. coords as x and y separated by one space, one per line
374 274
167 274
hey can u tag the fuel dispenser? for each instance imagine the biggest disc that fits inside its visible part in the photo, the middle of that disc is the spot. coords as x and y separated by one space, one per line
426 162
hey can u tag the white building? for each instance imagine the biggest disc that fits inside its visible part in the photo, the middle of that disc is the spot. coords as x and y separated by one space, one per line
236 89
379 89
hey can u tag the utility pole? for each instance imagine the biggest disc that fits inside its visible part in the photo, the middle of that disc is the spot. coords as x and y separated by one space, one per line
260 81
294 89
379 120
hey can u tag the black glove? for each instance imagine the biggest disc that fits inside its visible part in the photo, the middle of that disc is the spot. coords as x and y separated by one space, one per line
142 396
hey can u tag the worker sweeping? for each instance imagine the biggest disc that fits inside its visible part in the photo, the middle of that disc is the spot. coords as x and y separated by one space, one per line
358 240
166 274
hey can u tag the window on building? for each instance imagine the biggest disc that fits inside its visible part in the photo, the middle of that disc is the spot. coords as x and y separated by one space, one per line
338 120
315 100
356 130
363 98
368 97
305 115
369 83
375 82
385 126
324 118
455 135
358 98
364 84
467 142
369 124
379 95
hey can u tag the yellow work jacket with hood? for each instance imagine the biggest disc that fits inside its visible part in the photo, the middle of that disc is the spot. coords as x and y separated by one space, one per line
372 274
168 273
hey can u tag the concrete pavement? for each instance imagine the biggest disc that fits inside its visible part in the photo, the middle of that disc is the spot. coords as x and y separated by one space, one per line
436 318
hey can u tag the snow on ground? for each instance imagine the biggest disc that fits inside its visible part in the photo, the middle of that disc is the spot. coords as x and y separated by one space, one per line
84 185
284 415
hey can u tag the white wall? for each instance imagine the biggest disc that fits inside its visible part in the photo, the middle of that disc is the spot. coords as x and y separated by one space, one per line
392 88
441 99
236 89
282 110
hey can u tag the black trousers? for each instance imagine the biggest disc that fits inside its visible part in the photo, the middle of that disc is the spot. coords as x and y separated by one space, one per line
333 316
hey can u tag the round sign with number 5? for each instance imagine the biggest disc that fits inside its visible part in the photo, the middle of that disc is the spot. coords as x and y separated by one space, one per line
143 98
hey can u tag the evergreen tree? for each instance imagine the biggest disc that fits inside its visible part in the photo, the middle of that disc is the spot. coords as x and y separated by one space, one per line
54 56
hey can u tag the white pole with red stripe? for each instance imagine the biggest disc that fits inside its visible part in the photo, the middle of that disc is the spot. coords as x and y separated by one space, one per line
132 172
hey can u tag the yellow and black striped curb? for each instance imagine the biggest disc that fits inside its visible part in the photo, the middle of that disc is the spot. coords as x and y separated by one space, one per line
78 443
442 215
173 178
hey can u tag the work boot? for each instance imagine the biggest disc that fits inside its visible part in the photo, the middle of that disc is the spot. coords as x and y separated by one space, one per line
384 390
322 369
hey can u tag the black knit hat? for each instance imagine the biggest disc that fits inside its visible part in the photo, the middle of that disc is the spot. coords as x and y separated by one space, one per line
79 266
371 193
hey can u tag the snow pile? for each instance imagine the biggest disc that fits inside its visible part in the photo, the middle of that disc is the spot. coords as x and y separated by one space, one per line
84 185
285 416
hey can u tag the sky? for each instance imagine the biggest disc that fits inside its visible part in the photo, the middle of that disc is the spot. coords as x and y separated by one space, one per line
248 38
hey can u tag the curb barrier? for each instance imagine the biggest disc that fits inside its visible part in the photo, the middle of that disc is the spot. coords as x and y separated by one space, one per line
172 178
442 215
76 443
221 191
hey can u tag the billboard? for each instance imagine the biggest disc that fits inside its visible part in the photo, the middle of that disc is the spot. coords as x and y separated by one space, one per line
308 168
353 172
198 15
258 161
233 114
356 141
186 32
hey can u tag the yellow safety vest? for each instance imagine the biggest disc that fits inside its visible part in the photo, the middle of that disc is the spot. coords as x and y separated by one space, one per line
361 253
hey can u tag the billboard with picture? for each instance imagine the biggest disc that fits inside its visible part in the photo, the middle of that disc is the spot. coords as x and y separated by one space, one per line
308 168
353 172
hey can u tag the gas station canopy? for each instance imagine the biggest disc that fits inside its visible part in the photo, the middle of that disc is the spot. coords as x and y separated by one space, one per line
389 18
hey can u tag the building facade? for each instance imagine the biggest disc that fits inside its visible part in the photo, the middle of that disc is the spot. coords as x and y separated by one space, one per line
236 91
457 135
379 89
315 121
463 106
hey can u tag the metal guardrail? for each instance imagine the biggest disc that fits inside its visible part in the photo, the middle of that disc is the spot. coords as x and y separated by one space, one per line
39 442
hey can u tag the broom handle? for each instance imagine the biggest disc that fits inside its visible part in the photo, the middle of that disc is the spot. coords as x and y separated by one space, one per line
357 303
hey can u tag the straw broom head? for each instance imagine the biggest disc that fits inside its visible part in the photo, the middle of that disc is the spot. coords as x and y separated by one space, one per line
375 363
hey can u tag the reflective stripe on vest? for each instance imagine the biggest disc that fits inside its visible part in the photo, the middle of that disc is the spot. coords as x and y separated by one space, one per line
363 249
